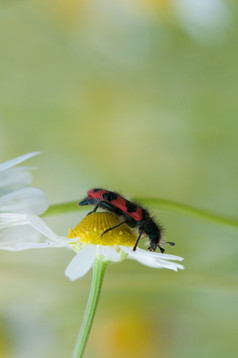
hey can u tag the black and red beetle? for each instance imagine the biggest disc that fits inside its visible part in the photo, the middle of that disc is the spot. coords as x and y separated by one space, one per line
134 215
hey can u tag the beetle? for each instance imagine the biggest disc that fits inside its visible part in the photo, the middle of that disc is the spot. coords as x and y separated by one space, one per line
134 215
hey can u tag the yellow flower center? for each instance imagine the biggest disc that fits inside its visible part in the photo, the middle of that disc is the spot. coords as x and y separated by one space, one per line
90 229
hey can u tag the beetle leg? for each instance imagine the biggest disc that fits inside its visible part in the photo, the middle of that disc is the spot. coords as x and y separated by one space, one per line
95 208
138 239
114 227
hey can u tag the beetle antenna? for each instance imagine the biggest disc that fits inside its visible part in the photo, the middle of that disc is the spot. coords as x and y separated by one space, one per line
170 243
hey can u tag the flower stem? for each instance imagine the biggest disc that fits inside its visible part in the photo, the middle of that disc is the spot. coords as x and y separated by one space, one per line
99 268
179 208
63 208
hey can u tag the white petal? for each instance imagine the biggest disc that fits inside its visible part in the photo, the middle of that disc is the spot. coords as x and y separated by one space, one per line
37 245
156 255
10 237
109 252
7 220
81 263
41 226
155 260
148 262
169 264
32 224
15 161
156 263
127 249
45 230
15 179
159 255
27 200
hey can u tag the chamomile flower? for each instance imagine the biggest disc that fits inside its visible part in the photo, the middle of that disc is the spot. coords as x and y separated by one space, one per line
17 200
95 250
86 240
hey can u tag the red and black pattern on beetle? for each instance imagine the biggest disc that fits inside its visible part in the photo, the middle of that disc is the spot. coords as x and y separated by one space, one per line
134 215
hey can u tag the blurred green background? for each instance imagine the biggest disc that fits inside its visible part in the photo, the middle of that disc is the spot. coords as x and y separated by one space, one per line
139 97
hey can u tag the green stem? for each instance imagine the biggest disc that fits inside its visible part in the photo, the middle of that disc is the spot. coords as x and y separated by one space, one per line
99 267
63 208
169 205
183 209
